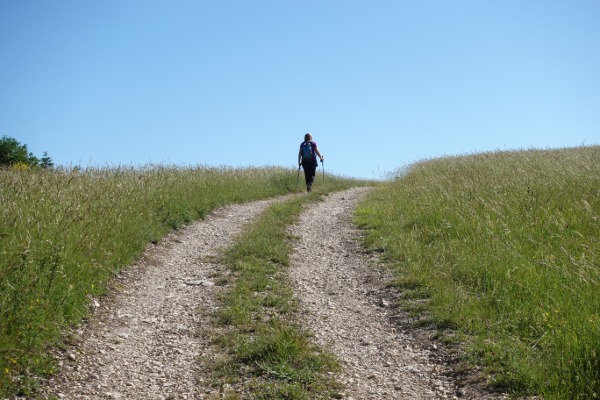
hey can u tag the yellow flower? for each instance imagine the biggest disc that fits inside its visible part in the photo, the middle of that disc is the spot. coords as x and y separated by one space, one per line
21 167
6 371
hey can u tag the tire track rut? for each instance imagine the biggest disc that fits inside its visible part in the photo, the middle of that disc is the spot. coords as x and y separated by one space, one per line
343 294
143 341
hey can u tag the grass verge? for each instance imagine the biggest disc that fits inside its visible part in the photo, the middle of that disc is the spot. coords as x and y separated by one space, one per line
269 355
506 247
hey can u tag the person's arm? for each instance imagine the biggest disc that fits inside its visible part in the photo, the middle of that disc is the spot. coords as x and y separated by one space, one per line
318 153
300 155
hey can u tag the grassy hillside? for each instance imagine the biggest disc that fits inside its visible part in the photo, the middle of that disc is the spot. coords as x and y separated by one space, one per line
506 246
64 234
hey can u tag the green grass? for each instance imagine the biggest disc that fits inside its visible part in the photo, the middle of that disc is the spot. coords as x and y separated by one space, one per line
65 233
262 333
506 247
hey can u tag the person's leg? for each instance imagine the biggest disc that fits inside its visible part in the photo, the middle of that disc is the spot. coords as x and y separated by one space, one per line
311 178
306 170
309 175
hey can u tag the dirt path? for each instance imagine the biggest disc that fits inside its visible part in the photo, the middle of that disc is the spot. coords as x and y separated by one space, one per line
343 294
144 341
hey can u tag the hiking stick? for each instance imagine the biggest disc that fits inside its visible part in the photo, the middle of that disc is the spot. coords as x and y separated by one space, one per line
323 165
298 176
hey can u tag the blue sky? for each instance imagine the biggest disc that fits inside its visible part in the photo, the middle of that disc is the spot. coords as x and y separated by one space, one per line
379 84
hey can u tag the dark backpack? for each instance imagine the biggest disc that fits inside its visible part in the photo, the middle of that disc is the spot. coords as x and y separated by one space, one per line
307 152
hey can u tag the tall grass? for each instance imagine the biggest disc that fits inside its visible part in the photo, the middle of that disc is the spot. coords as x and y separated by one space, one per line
507 247
65 233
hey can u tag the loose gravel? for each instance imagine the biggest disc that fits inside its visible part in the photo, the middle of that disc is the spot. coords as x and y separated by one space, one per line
347 305
144 341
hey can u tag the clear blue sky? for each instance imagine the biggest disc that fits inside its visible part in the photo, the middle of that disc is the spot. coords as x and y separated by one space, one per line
379 84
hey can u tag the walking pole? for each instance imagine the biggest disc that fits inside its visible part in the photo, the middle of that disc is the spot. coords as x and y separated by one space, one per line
298 176
323 165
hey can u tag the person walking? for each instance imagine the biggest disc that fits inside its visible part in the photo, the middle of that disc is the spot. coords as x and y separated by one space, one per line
307 157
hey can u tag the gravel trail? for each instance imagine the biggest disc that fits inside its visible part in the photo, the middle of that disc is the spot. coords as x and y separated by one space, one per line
144 340
344 297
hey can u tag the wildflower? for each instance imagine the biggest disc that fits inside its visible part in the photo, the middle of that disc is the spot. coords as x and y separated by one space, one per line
21 167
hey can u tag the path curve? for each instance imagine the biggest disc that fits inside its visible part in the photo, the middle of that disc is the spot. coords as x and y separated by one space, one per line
144 340
147 339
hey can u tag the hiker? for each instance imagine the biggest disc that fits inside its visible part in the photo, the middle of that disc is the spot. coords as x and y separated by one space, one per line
307 157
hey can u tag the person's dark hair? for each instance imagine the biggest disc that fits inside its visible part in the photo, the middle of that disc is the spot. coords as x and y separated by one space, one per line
307 137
